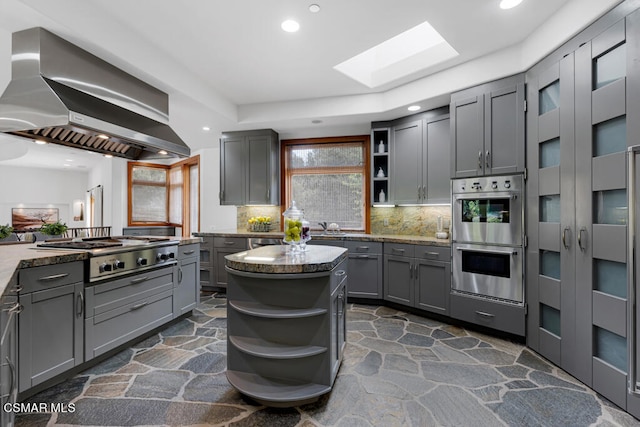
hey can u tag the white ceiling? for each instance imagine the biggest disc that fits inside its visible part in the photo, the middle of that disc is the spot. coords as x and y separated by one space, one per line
228 64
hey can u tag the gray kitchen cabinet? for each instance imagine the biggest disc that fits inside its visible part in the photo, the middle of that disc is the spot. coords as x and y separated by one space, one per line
488 129
121 310
51 322
206 264
223 246
249 168
9 352
577 134
433 285
186 290
418 276
418 159
365 269
406 169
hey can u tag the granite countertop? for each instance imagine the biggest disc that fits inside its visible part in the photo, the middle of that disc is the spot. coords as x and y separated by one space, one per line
14 257
280 259
362 237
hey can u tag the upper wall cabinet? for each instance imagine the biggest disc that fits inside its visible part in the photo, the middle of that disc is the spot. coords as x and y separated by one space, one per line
411 159
487 129
249 168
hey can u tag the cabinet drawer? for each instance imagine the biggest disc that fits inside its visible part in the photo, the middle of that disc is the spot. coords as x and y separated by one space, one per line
495 315
364 247
436 253
187 251
118 326
39 278
239 243
400 249
108 296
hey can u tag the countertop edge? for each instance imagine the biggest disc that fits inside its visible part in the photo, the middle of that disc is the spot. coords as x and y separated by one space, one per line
382 238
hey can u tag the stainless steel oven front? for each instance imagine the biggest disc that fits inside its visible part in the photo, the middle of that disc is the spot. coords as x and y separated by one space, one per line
488 210
489 271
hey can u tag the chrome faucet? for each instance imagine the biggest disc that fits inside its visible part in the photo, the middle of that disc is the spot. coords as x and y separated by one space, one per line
323 225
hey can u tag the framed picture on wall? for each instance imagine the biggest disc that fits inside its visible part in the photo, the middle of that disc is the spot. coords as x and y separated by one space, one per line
23 219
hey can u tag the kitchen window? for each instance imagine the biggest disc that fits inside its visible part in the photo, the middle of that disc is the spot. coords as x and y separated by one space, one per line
164 195
328 178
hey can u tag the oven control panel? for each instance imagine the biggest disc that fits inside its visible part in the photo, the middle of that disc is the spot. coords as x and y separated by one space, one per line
488 184
113 264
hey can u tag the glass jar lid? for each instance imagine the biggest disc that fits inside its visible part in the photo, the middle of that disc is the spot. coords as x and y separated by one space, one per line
293 211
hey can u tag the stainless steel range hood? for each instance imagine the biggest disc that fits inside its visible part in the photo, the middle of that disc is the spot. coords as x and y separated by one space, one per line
62 94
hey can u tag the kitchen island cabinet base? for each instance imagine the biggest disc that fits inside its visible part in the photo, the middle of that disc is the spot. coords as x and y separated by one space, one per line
286 331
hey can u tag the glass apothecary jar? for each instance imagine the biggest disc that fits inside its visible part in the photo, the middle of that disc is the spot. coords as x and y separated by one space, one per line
296 228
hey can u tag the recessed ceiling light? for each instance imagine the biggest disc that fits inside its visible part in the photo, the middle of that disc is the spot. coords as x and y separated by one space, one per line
68 160
314 8
508 4
66 165
108 156
103 136
206 128
40 142
413 108
290 26
315 122
163 152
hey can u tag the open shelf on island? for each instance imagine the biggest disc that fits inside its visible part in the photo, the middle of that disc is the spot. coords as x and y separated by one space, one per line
274 312
271 350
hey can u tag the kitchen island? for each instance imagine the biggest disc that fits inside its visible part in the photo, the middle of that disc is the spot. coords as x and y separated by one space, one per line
286 322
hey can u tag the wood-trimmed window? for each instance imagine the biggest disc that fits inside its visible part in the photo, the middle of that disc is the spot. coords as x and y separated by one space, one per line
164 195
329 179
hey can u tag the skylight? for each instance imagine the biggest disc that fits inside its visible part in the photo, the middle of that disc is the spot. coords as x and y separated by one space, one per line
416 49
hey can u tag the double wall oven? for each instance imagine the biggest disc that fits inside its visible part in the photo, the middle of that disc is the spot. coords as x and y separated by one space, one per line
488 237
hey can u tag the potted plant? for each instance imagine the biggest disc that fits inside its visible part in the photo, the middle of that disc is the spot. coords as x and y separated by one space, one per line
5 231
56 229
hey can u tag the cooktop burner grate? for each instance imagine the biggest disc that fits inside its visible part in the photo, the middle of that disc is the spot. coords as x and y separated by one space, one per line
80 245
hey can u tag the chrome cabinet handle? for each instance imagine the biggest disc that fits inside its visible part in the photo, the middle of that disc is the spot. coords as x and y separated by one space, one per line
54 276
139 280
582 230
431 254
12 368
180 275
480 159
189 252
340 273
487 159
397 250
410 271
565 242
79 304
229 243
139 306
632 350
485 314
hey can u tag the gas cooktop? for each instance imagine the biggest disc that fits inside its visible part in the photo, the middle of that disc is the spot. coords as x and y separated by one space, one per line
102 242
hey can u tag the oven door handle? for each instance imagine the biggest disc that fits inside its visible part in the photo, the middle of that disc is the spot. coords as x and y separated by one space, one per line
488 251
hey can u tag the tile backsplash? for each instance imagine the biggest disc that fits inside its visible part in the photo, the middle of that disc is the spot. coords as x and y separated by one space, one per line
402 220
246 212
410 220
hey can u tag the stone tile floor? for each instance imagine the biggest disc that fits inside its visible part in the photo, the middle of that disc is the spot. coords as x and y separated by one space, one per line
399 369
